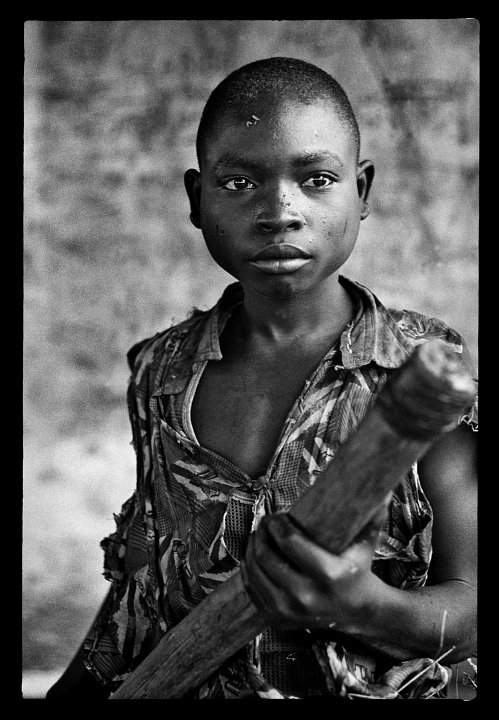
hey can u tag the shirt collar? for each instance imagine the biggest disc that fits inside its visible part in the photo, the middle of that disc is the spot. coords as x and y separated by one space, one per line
209 344
372 336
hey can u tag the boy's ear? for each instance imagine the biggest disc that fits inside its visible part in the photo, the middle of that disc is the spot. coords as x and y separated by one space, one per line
192 182
365 176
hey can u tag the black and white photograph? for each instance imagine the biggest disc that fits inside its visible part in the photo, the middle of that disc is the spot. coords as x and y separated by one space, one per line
250 359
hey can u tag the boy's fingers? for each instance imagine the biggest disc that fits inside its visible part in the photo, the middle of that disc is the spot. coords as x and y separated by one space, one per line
280 556
292 542
287 555
263 589
279 592
265 554
302 552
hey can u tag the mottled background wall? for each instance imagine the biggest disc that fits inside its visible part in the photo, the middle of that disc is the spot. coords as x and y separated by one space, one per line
111 112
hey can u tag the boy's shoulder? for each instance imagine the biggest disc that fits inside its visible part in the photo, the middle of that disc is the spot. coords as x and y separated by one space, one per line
394 332
418 327
152 350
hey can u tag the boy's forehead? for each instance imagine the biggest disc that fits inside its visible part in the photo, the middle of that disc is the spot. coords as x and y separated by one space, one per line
273 111
267 123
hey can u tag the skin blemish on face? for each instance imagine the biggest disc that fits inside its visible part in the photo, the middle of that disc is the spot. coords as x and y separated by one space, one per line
254 118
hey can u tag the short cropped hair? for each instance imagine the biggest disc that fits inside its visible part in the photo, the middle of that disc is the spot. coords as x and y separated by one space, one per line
277 78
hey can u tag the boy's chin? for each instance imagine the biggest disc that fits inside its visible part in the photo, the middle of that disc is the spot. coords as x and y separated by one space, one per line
279 287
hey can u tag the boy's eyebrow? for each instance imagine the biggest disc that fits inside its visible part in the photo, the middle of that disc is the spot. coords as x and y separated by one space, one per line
316 156
306 158
234 161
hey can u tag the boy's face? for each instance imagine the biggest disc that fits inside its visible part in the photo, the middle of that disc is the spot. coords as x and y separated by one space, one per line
280 197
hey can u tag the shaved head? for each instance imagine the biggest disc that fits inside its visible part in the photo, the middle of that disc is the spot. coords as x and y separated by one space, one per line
273 80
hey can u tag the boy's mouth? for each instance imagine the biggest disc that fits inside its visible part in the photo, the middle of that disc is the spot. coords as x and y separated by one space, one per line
280 251
280 258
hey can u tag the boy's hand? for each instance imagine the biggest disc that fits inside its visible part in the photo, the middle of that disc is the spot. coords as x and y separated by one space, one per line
298 584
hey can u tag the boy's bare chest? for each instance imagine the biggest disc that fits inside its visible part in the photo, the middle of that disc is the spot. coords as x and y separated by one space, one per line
239 408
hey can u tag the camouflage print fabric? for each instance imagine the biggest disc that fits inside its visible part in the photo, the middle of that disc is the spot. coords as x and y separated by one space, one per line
185 528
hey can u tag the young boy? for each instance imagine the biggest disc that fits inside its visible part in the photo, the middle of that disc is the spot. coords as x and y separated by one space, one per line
236 410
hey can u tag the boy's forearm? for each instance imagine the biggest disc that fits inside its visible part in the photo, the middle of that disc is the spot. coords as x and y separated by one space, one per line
77 682
426 622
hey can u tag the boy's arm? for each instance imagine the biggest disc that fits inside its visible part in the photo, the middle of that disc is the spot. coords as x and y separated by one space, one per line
77 681
299 584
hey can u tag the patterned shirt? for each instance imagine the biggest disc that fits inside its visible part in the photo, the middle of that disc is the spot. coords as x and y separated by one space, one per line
185 529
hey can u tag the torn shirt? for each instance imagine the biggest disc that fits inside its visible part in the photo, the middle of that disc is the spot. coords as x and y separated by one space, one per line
185 529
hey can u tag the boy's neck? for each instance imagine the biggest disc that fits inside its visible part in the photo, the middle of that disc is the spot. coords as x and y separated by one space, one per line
324 311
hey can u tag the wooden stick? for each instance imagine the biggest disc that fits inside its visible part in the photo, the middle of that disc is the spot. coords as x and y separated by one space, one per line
421 401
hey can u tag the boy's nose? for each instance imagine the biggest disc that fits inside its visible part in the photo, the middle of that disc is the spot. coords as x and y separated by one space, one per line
278 217
284 223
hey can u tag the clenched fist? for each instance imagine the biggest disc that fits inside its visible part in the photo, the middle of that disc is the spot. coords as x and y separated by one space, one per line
298 584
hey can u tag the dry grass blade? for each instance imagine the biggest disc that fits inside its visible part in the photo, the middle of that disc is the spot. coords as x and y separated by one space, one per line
422 672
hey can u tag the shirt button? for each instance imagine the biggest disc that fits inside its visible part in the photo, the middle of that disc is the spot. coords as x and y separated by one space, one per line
195 367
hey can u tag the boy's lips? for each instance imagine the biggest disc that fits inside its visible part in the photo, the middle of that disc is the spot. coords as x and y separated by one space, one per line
280 251
277 259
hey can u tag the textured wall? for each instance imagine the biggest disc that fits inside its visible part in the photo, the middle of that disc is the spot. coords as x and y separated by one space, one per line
110 256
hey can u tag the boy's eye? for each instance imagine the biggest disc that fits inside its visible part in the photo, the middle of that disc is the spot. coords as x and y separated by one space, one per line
319 180
239 183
